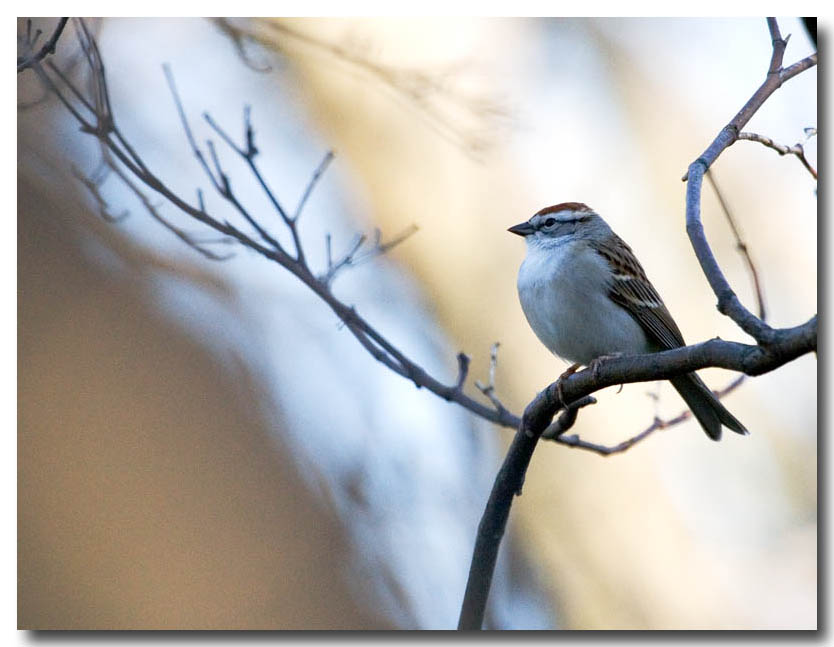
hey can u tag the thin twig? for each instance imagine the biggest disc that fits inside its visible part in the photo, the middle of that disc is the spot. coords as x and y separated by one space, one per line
27 61
320 169
798 149
741 246
352 256
488 389
93 186
248 155
463 370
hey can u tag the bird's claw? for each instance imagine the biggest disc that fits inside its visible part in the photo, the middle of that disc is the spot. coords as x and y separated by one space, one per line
570 371
597 362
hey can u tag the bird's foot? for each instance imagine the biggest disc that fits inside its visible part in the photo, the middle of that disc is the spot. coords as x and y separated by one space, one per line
597 362
570 371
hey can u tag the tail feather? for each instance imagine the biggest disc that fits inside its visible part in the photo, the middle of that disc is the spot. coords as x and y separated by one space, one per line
706 407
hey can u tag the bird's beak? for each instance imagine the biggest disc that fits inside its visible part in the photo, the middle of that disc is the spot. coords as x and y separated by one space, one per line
522 229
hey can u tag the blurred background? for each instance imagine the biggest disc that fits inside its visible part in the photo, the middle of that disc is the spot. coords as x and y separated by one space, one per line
201 444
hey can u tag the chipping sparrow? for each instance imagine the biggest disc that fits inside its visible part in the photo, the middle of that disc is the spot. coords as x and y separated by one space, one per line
586 296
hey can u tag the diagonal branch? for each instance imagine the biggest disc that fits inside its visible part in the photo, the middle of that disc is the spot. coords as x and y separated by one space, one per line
103 127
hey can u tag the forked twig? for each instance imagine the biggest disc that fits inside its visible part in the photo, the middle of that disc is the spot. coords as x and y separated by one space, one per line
29 59
355 255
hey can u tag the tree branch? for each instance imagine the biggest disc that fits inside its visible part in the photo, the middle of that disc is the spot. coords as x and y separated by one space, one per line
797 149
30 59
728 302
102 125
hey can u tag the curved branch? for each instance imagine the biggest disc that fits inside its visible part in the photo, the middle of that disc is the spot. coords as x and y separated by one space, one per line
728 303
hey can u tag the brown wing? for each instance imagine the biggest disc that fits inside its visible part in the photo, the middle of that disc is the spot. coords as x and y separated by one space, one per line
632 290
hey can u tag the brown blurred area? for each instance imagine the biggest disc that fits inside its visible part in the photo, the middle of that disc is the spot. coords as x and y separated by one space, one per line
149 493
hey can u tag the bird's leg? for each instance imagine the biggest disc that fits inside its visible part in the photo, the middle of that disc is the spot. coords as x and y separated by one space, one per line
596 362
570 371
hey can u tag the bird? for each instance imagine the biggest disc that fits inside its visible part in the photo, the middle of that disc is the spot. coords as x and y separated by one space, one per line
587 297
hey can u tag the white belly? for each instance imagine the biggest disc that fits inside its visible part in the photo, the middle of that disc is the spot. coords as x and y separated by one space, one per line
573 317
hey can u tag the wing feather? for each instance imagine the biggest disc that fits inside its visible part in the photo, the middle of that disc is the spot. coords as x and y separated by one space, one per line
632 290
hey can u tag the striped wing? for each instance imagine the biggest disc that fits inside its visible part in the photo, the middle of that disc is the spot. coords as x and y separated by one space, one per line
632 290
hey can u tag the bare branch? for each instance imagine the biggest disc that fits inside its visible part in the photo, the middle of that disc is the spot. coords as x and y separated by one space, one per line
728 302
565 422
30 59
320 169
741 246
436 101
791 343
463 370
797 149
248 155
93 186
352 257
377 345
239 38
488 389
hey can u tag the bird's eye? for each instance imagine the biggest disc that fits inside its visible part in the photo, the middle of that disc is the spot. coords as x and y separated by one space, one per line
550 222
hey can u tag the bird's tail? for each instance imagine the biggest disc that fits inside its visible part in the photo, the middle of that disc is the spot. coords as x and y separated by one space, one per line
705 406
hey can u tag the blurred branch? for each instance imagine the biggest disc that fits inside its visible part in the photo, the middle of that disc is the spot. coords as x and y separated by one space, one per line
28 41
433 95
774 348
741 246
488 389
797 149
356 255
240 40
